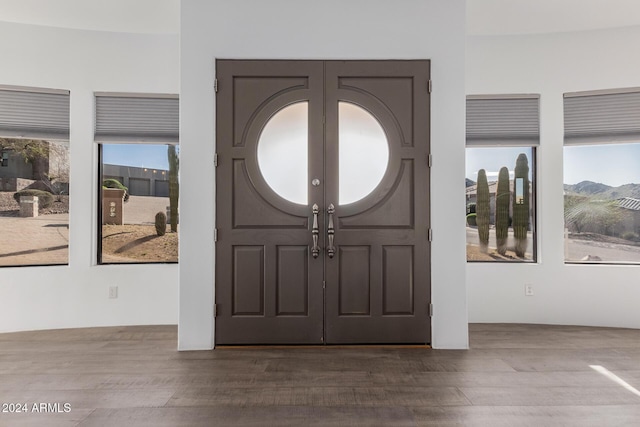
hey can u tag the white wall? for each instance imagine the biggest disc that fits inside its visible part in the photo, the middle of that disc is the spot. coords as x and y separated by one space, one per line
329 29
551 65
77 295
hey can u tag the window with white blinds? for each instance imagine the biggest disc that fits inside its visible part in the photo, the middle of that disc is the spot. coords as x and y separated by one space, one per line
602 117
601 155
502 134
503 120
34 113
147 118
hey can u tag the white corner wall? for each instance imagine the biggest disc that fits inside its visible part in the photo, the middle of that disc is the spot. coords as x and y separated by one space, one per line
328 29
550 65
77 295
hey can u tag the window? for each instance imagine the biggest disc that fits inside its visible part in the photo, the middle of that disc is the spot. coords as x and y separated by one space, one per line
602 177
502 135
138 178
282 152
34 176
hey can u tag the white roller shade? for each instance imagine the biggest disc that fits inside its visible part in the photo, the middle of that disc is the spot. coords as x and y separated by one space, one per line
148 118
508 120
34 113
602 117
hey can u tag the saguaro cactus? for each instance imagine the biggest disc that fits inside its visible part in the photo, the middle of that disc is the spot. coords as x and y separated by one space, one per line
521 204
503 199
174 164
483 210
161 223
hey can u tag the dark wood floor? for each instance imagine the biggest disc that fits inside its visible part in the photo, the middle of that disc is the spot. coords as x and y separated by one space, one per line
514 375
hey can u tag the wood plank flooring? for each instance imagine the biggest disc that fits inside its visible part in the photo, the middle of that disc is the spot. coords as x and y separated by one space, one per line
514 375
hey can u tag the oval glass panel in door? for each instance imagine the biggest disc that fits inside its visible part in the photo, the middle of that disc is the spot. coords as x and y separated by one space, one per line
363 153
283 152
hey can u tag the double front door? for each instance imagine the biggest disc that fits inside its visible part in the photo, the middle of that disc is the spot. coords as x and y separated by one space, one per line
322 202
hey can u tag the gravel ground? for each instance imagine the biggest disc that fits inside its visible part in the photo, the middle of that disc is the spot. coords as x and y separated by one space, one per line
9 207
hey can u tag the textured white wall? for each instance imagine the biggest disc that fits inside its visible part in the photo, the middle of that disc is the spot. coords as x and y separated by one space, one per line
330 29
551 65
77 295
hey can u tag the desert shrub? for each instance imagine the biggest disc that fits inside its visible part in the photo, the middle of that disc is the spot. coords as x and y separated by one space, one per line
161 223
114 183
471 220
630 235
44 199
471 208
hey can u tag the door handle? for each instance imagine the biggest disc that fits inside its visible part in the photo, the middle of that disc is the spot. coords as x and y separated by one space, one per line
331 249
315 251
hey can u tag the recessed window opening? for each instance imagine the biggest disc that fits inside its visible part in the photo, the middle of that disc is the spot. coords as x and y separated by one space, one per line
601 177
502 135
138 178
34 176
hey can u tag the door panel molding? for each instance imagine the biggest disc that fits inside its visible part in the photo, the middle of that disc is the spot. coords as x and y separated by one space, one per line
255 94
258 211
394 210
354 280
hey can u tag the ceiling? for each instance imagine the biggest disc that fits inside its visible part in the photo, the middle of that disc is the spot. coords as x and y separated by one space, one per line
128 16
496 17
484 17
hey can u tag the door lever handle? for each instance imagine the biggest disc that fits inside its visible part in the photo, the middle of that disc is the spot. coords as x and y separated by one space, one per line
331 249
315 251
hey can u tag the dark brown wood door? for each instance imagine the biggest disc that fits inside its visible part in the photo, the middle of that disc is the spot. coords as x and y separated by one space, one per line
366 141
268 286
378 281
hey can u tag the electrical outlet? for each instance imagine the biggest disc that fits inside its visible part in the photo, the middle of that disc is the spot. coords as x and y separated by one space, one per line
113 292
528 290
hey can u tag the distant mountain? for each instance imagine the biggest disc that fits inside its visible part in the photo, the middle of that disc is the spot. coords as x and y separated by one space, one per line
587 187
469 182
590 188
627 190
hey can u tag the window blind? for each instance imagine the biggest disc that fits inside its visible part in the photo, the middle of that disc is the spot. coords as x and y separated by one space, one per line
151 118
601 117
34 113
503 120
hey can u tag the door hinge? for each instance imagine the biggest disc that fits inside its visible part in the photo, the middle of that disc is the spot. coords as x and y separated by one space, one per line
429 86
215 85
215 235
324 284
215 160
430 310
430 234
215 310
430 159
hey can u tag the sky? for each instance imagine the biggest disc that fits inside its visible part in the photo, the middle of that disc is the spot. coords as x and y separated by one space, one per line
611 164
137 155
